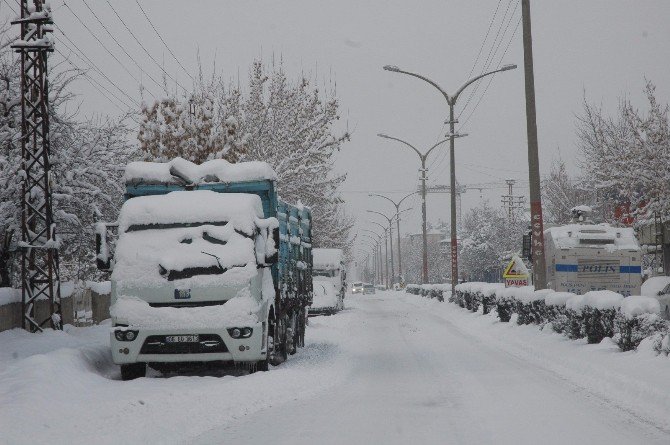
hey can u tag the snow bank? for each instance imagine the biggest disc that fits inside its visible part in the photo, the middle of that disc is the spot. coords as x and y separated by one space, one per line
654 285
557 298
180 170
238 311
9 295
637 305
600 299
100 287
327 258
325 295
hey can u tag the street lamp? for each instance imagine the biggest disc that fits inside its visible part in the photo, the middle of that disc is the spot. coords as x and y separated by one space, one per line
451 100
373 247
378 267
386 248
390 221
423 157
397 211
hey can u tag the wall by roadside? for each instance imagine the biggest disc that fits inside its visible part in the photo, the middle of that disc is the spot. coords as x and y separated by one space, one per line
79 305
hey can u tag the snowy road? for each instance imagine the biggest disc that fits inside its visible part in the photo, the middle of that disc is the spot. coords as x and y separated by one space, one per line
415 377
393 368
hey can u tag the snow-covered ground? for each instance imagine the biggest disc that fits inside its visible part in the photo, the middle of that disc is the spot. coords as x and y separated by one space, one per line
392 368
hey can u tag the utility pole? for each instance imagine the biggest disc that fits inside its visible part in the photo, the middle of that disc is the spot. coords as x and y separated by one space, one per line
539 265
511 201
39 246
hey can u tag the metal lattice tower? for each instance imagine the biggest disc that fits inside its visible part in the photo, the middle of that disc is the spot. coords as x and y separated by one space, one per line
39 247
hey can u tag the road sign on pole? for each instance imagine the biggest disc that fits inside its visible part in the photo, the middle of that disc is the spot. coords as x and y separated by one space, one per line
516 273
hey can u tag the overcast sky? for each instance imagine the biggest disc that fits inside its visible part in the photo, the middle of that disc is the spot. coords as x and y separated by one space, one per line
601 48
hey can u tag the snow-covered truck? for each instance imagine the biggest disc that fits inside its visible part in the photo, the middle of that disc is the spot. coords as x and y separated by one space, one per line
584 257
328 267
209 266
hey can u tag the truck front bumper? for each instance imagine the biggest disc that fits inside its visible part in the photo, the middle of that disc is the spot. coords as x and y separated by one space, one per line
154 346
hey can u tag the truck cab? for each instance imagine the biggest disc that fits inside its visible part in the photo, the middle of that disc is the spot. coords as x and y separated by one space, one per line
329 267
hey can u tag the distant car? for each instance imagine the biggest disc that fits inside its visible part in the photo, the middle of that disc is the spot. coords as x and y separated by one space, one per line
380 287
357 288
659 288
326 300
369 289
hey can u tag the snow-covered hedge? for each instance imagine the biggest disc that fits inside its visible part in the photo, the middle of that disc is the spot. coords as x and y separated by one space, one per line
594 315
437 291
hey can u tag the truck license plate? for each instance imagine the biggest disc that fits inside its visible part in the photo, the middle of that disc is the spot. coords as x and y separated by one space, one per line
181 339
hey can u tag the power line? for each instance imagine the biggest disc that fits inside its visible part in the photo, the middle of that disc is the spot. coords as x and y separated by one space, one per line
85 58
145 50
122 48
491 79
160 37
91 81
495 13
479 53
486 66
495 46
102 44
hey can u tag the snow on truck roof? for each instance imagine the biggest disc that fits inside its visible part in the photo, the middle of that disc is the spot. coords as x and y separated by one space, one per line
180 170
327 258
593 235
241 210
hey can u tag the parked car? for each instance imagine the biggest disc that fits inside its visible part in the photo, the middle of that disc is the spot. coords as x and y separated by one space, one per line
659 288
357 288
380 287
369 289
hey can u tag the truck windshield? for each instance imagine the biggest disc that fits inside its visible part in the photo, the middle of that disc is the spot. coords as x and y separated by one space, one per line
175 251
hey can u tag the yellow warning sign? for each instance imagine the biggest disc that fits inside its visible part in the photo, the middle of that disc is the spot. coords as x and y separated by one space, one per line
515 269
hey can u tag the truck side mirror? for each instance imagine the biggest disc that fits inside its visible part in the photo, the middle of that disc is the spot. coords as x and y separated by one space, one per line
103 257
274 256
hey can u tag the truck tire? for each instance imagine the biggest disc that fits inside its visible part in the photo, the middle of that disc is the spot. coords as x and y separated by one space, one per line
133 371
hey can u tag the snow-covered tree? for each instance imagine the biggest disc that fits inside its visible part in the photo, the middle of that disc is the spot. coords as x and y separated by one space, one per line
488 238
560 193
288 124
627 157
291 126
197 128
87 160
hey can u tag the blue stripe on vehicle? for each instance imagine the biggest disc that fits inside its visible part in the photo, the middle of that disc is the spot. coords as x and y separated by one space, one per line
622 269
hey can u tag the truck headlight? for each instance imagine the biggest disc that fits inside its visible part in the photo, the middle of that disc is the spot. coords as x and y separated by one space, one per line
125 335
240 332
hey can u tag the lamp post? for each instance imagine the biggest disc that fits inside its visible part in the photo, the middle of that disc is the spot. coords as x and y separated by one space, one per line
386 248
397 211
373 246
451 100
423 157
390 221
378 267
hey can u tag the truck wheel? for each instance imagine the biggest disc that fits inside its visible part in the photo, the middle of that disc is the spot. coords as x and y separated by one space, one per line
133 371
274 348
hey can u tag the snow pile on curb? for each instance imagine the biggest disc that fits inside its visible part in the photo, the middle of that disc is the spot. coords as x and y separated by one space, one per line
595 315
